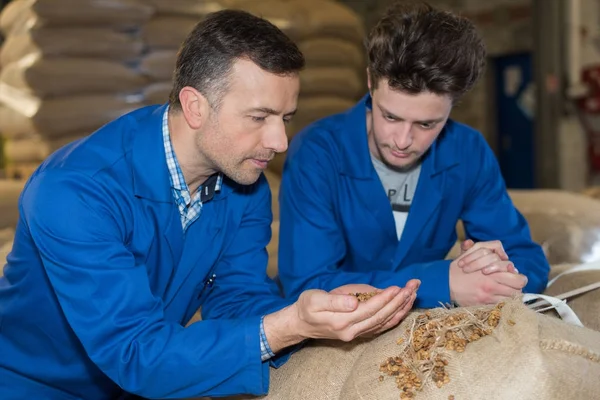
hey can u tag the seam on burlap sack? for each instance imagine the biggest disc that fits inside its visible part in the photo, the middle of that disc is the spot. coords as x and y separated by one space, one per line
567 347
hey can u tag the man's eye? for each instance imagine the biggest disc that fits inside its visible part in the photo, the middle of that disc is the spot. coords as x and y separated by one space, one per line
390 118
259 119
287 120
427 126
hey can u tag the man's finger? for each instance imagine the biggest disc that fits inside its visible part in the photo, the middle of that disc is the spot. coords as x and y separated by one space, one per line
510 280
466 245
499 266
341 303
378 314
481 263
482 254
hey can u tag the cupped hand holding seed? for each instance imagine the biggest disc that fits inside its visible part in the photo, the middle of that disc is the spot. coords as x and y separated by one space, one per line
321 315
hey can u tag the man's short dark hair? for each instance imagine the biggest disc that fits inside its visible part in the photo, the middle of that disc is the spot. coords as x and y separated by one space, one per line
418 48
207 55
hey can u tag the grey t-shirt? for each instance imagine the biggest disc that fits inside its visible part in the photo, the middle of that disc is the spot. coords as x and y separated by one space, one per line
400 187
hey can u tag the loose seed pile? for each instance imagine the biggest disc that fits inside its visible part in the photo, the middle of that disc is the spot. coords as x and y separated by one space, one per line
364 296
422 355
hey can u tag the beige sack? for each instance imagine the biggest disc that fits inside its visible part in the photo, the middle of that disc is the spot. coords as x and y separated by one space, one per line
61 116
528 357
5 247
566 224
332 52
186 7
22 15
71 42
331 81
587 305
313 108
274 183
157 93
327 18
10 190
168 32
46 77
159 65
34 149
593 191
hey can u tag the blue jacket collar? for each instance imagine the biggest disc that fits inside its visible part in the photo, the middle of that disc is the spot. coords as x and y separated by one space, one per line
150 171
356 158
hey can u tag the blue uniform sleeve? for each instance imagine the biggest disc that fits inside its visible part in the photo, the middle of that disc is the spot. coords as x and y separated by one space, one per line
312 247
78 227
242 286
489 214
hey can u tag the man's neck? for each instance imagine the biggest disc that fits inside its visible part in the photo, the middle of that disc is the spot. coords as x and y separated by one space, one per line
195 167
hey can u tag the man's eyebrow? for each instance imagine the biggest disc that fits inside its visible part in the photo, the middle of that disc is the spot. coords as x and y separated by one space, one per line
392 115
270 111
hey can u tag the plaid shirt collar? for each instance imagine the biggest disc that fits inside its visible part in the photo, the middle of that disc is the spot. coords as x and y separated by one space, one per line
189 206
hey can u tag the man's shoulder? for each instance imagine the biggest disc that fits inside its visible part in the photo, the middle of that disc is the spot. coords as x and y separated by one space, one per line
102 149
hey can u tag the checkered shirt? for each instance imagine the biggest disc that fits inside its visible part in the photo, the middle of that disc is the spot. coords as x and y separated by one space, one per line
190 207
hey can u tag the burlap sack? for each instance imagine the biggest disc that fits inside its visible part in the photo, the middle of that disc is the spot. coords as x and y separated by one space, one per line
10 190
565 224
186 7
157 93
331 81
168 32
326 18
313 108
71 42
593 191
272 249
48 77
274 180
159 65
332 52
528 357
60 116
587 305
276 164
6 242
35 148
20 16
300 19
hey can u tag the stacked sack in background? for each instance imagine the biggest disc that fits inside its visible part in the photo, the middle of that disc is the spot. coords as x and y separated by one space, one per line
328 33
68 67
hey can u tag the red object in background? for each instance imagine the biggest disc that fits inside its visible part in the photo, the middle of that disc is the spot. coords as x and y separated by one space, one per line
589 111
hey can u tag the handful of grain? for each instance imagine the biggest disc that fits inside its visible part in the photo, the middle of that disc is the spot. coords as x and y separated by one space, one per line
422 355
364 296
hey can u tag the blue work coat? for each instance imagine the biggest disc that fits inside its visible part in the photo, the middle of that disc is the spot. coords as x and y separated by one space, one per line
337 226
102 279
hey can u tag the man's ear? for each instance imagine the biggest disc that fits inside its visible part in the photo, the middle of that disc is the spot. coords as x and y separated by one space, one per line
195 107
369 81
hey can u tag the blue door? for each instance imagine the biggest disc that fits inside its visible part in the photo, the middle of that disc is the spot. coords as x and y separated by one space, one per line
515 96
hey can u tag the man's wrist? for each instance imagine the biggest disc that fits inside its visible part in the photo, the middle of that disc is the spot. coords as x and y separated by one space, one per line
282 329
